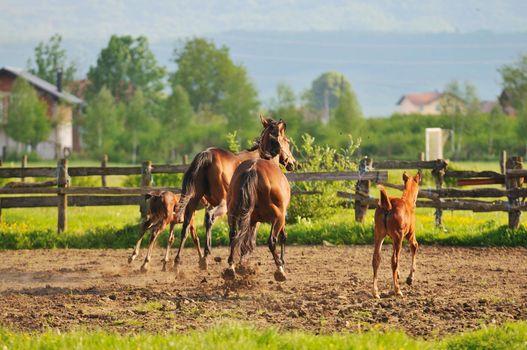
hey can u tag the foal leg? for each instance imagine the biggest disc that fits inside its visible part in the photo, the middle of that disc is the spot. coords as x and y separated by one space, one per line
195 238
277 228
397 246
169 246
413 250
155 233
145 225
376 261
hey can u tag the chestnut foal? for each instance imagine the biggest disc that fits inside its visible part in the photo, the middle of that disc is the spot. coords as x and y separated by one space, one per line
395 217
161 205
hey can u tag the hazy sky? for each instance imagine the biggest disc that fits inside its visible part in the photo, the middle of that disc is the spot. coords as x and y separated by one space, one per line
23 20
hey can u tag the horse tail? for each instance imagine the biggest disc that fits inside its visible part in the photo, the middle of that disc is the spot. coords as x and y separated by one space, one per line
384 201
200 162
245 203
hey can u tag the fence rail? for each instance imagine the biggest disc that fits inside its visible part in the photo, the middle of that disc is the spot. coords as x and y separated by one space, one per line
58 193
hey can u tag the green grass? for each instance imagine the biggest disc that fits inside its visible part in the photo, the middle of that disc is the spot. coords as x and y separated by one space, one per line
116 227
236 336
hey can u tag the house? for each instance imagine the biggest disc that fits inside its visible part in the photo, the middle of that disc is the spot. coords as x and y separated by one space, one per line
420 103
63 109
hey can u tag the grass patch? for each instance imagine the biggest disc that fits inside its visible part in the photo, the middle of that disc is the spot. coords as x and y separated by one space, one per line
116 227
231 336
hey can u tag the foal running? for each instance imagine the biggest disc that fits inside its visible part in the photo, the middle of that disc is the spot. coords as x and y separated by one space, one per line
161 205
209 176
259 192
395 217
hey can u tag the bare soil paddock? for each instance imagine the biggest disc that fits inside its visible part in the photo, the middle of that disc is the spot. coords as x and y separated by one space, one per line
328 289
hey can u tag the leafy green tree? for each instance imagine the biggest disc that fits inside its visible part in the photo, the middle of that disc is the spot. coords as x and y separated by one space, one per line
27 120
51 57
514 78
141 129
125 65
179 120
347 118
325 92
284 106
103 125
214 83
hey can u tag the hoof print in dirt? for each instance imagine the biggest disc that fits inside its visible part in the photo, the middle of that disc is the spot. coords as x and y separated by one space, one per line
279 276
228 274
245 270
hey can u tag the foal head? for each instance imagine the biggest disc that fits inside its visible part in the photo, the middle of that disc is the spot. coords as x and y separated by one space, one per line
411 186
274 142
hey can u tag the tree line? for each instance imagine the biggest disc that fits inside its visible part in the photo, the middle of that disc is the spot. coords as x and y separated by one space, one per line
137 109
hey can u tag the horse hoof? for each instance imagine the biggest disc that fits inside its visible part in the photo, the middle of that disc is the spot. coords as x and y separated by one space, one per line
131 259
279 276
228 274
409 280
203 263
144 268
376 295
399 294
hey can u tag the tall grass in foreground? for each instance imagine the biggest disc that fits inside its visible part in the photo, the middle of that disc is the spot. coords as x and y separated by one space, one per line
116 227
235 336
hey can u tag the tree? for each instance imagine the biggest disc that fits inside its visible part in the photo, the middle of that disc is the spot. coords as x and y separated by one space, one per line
514 78
103 125
178 119
125 65
214 83
50 58
140 129
347 118
27 121
325 92
284 107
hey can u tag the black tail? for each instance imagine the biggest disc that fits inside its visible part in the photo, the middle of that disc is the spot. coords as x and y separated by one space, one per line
245 203
200 162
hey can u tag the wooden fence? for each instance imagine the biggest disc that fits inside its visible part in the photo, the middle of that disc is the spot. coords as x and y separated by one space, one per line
57 192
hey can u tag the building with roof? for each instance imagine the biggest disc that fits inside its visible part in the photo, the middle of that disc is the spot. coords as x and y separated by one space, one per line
420 103
63 110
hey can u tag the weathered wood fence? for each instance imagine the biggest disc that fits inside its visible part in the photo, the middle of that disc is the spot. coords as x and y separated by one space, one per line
57 192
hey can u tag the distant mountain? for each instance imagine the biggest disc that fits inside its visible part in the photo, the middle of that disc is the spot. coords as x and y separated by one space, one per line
381 66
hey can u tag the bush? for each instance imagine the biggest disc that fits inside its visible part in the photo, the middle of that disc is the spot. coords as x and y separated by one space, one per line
311 158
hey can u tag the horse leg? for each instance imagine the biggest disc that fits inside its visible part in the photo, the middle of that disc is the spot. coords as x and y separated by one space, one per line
142 229
230 273
195 238
211 215
376 261
397 246
278 226
188 219
153 237
413 250
283 239
169 245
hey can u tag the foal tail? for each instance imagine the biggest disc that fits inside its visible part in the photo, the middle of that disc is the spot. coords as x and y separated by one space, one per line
200 162
245 203
384 201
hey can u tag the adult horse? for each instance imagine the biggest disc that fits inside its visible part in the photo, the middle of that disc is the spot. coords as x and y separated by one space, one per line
209 176
259 192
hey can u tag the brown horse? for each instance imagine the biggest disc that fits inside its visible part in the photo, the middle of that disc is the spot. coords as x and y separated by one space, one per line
209 176
161 205
395 217
259 192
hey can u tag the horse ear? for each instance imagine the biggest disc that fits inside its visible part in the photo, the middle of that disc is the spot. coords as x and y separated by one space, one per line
405 177
265 121
418 177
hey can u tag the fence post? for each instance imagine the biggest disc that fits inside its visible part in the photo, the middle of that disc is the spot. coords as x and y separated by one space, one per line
104 163
62 182
146 181
511 183
422 156
24 165
503 162
362 188
185 159
439 176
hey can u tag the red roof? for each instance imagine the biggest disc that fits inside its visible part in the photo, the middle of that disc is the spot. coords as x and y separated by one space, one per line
420 99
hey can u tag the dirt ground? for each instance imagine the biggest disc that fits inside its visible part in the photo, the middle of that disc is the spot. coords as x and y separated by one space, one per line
328 289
